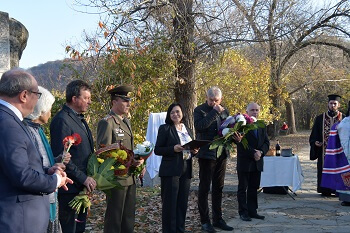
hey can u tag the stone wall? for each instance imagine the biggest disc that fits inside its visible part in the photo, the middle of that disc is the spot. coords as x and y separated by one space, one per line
13 40
4 42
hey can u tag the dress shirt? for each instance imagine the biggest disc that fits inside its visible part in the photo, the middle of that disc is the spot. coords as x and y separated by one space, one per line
12 108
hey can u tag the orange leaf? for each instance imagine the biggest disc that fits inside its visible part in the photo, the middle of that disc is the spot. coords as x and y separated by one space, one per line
100 24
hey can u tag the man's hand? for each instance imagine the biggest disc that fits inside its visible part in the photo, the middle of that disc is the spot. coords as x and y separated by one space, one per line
237 137
90 184
138 162
257 155
64 179
178 148
56 167
319 144
219 108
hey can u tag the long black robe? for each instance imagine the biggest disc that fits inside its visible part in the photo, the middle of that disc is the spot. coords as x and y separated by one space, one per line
320 132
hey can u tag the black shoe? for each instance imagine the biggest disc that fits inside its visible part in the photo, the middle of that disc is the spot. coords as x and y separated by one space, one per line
222 225
245 217
345 203
257 216
326 194
207 227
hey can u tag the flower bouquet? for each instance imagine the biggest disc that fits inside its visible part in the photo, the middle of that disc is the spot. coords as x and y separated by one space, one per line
121 157
241 123
142 151
72 140
104 165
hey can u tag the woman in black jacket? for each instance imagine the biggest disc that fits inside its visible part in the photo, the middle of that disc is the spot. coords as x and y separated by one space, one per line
175 169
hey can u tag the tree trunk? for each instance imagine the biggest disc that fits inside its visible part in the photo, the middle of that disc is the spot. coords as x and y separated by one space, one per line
290 117
185 86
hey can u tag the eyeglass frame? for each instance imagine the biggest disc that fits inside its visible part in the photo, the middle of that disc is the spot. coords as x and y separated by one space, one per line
36 92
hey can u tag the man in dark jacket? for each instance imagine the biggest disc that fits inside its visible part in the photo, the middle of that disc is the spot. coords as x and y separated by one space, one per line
66 122
207 120
250 164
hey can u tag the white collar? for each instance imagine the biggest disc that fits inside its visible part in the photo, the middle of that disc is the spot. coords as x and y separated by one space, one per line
12 108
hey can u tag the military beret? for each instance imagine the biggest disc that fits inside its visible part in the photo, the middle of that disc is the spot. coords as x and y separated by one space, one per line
121 91
334 97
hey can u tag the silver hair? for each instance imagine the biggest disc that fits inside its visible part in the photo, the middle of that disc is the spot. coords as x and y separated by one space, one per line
14 81
43 105
214 92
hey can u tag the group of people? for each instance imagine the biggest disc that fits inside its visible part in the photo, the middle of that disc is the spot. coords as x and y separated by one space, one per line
176 167
38 179
324 124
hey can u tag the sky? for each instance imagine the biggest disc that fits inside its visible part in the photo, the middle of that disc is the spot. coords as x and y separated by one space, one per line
52 24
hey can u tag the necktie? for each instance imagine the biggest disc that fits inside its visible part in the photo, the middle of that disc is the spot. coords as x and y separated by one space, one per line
256 133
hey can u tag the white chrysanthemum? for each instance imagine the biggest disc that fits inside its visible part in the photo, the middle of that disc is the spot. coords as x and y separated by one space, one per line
225 131
141 148
240 118
147 143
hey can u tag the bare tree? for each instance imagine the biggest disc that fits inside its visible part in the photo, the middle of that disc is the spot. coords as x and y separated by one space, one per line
189 28
283 28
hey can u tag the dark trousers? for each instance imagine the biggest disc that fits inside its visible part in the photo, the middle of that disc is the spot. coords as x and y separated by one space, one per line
67 215
247 193
211 172
174 192
120 212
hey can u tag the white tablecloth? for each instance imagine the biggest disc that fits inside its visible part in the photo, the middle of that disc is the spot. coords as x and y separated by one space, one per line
282 171
154 121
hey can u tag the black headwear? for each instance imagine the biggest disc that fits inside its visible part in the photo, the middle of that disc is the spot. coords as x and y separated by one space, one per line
334 97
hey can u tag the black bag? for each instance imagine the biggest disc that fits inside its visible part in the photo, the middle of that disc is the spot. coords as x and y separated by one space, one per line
276 190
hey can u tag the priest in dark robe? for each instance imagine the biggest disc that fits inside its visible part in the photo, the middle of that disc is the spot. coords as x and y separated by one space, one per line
319 138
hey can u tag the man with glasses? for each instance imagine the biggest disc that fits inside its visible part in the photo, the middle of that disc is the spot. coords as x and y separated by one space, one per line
24 182
66 122
207 119
37 93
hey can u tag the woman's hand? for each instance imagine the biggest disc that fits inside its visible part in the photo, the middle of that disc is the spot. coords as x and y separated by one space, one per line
66 157
195 151
178 148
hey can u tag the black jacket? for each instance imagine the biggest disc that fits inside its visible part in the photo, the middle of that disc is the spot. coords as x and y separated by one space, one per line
245 157
65 123
206 123
172 162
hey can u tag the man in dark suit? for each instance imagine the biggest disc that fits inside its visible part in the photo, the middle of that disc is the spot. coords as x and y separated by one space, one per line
67 121
207 119
250 164
115 127
24 205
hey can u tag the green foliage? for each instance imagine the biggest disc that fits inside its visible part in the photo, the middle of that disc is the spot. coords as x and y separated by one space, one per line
241 82
149 69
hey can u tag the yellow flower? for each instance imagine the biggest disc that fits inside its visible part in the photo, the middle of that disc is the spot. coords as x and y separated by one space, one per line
100 160
122 154
114 154
121 167
112 168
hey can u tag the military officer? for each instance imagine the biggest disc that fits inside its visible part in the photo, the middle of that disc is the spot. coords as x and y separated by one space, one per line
115 127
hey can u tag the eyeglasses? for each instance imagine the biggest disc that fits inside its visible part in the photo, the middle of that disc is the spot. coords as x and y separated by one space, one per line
37 93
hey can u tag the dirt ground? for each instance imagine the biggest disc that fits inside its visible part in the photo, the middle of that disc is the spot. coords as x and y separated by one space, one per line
148 213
